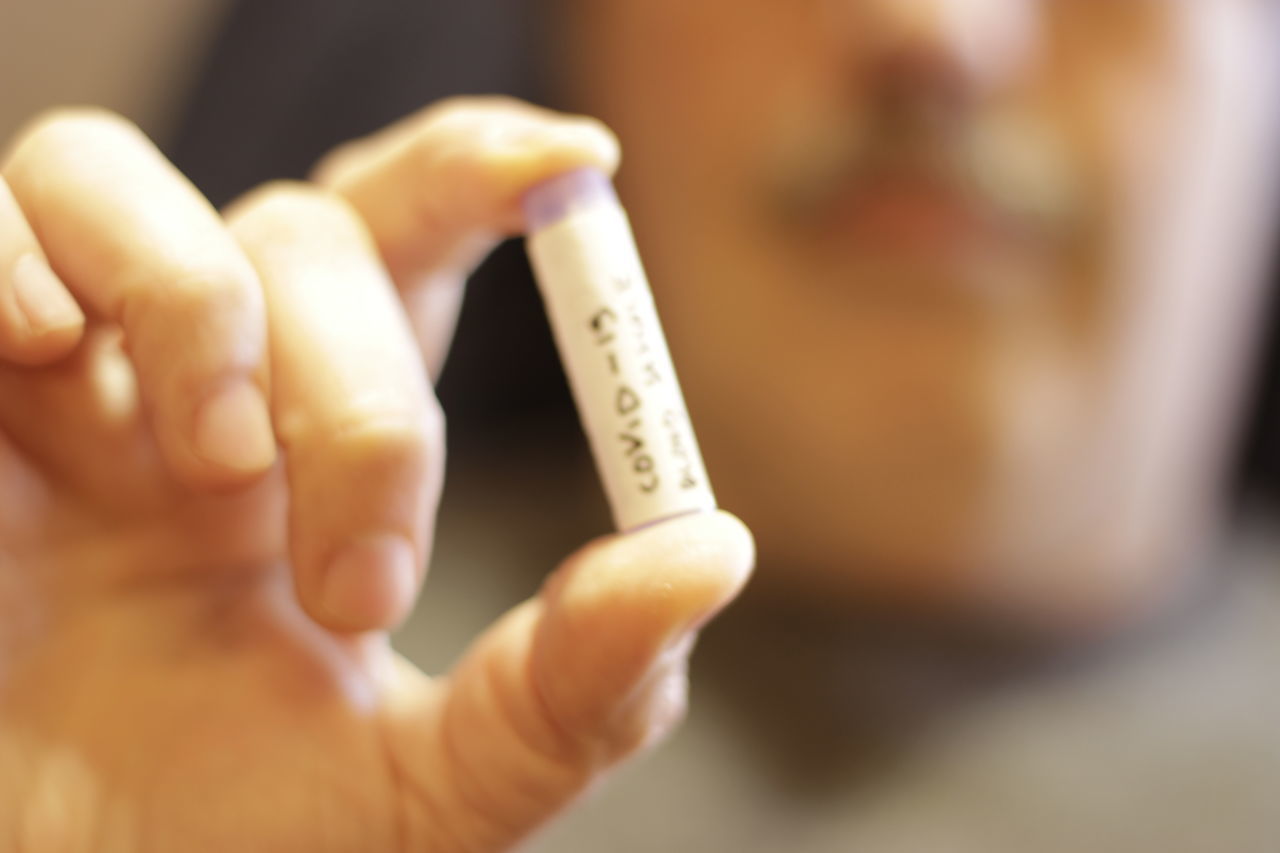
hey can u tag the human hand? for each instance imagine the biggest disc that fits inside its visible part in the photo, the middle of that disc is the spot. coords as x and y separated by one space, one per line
216 495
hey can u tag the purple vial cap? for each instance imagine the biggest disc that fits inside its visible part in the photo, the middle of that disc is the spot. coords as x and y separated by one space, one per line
555 198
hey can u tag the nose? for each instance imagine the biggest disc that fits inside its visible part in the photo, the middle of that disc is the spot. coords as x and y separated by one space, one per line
973 45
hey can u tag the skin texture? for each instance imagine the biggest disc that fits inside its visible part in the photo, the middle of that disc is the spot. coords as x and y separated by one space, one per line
220 456
961 293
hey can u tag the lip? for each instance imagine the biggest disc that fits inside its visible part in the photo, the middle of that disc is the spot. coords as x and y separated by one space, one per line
918 218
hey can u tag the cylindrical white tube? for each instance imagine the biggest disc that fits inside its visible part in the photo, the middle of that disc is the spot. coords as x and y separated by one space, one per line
606 328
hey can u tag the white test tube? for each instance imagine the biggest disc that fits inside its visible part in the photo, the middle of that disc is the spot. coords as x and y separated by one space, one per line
606 329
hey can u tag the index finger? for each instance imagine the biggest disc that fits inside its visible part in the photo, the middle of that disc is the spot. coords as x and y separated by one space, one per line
439 189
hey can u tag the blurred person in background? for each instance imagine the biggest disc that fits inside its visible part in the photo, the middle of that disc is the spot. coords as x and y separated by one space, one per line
964 297
938 276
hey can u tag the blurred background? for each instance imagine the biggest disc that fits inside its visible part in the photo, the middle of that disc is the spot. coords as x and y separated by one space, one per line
978 626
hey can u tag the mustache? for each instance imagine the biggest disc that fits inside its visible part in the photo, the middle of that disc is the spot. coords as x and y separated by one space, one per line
1012 166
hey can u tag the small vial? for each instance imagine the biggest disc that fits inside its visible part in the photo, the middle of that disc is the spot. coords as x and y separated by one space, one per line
606 328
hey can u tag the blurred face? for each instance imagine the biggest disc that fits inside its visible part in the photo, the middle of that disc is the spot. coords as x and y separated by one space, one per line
959 289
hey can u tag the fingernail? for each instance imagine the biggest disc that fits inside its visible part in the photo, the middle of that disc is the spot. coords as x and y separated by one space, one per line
233 429
41 296
370 582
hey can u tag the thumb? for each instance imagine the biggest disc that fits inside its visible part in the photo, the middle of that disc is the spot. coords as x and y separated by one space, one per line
569 683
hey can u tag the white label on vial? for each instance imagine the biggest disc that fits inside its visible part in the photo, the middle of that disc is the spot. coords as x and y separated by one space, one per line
616 358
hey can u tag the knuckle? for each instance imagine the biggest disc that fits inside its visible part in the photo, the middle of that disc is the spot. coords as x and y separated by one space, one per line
195 299
459 118
461 108
500 112
210 285
296 212
474 121
69 130
377 432
481 106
